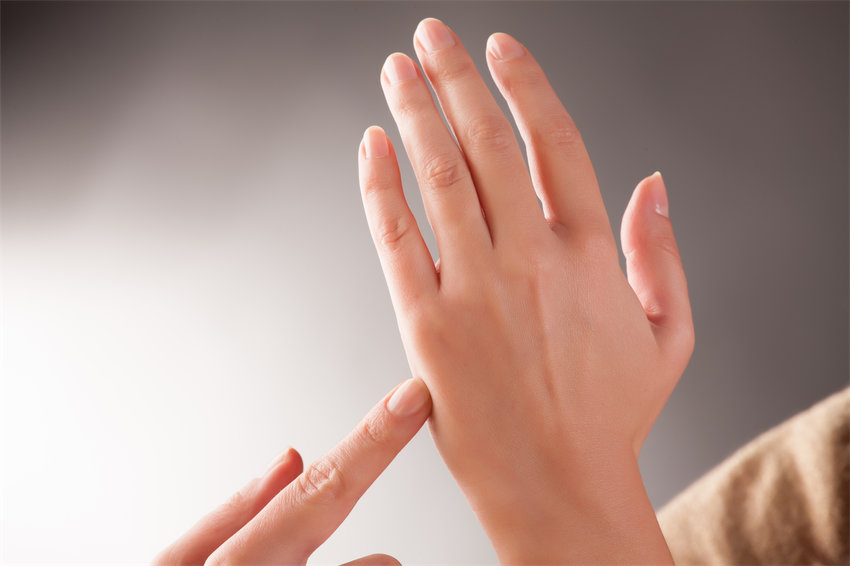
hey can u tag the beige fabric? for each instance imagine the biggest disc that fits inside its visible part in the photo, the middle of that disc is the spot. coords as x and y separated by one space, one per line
781 499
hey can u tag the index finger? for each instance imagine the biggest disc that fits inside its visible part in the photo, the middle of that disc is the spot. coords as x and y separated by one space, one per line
309 510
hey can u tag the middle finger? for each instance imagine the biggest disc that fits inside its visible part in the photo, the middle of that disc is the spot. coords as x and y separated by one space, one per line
446 185
483 132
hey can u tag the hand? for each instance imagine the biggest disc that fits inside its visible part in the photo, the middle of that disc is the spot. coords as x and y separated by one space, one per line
547 366
284 515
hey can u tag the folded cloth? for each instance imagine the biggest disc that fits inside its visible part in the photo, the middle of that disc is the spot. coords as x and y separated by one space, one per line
781 499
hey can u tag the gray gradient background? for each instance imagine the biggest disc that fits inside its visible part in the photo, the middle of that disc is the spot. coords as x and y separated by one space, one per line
189 285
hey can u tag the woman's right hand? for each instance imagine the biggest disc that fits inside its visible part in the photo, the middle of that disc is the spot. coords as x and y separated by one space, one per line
282 516
546 364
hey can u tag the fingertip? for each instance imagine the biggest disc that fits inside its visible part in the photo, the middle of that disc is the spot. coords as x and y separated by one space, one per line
648 201
397 68
504 47
411 397
284 468
490 48
627 222
658 193
293 459
375 143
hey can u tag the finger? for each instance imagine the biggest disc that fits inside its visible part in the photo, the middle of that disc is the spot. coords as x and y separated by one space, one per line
654 268
448 192
405 258
374 560
306 512
212 530
483 133
560 166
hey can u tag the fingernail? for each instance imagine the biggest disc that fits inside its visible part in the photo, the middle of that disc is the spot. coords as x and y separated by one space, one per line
399 67
279 459
409 398
504 47
659 194
434 35
375 142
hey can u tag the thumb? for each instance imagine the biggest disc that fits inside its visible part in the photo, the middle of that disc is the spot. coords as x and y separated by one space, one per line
654 268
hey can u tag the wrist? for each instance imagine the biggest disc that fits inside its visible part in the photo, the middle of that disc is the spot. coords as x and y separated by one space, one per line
596 511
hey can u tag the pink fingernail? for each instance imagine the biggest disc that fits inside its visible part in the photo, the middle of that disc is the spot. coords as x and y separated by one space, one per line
504 47
434 35
409 398
375 142
399 67
659 194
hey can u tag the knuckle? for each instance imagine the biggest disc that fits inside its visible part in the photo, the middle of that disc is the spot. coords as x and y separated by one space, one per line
241 504
646 244
535 271
424 323
557 131
239 501
443 172
453 69
666 243
521 273
594 244
419 316
687 336
373 186
524 78
490 133
375 430
407 106
682 343
391 232
322 481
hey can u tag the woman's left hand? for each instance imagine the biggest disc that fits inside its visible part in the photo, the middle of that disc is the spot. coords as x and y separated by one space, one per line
547 364
284 515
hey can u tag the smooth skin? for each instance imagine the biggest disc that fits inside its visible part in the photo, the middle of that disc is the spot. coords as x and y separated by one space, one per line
547 364
284 515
